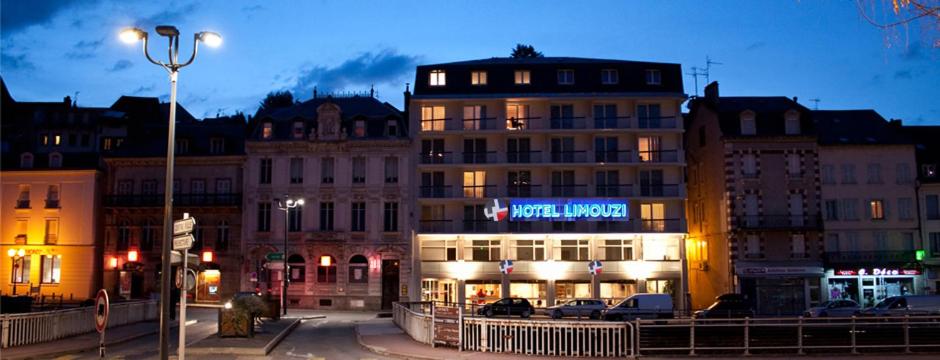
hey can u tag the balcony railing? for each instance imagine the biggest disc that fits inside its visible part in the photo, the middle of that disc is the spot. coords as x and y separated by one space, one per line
615 190
482 124
436 157
156 200
574 122
613 156
570 190
665 190
777 221
52 204
658 156
478 191
619 122
523 191
480 157
523 123
659 225
576 156
436 226
480 226
661 122
524 157
434 125
22 204
869 257
438 192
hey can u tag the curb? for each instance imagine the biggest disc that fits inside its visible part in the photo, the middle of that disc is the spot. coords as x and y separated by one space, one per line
263 351
383 351
277 339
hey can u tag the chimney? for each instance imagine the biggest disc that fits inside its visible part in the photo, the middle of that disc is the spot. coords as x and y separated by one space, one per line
314 92
895 123
372 91
795 99
67 100
407 100
711 92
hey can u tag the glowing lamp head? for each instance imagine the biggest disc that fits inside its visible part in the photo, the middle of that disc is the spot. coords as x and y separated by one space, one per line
113 262
211 39
21 253
207 256
299 202
132 256
325 260
228 305
11 252
132 35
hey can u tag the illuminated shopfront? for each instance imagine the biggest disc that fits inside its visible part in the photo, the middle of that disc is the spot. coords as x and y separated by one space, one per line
868 286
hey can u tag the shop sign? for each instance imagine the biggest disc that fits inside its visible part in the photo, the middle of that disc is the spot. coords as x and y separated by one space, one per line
567 210
779 270
877 272
446 321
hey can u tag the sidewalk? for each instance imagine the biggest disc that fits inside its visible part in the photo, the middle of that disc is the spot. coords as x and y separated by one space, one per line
83 342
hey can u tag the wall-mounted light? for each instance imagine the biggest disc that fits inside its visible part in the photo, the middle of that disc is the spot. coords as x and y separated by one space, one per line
132 255
113 262
375 264
325 260
207 256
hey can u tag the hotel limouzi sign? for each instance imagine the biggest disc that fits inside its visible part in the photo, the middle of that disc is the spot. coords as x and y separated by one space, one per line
560 210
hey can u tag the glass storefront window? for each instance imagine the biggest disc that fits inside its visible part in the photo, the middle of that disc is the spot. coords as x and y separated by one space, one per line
568 290
482 291
614 291
534 291
442 290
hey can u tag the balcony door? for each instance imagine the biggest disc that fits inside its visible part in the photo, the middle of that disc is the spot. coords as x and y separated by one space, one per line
432 184
519 150
653 216
649 148
651 183
563 183
562 116
796 209
432 151
563 149
649 116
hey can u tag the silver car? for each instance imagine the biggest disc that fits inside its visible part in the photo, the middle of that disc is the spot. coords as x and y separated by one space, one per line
834 308
591 308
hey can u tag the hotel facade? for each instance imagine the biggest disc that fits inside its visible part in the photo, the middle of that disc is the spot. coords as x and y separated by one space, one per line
548 164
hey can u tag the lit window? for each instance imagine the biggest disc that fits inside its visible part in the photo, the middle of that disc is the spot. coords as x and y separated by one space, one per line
653 77
298 130
432 118
51 268
478 78
439 250
473 116
877 209
326 270
483 250
531 250
57 139
297 267
617 249
649 148
517 116
653 216
360 128
523 77
474 184
438 78
566 77
267 131
20 271
44 138
573 250
22 228
52 231
609 77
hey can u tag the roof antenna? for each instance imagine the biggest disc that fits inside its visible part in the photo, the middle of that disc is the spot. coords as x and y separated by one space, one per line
695 74
372 91
75 99
708 66
314 92
815 103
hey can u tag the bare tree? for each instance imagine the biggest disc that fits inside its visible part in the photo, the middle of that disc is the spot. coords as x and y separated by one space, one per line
902 14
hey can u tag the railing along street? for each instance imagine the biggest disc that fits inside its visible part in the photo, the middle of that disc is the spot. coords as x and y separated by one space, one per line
43 326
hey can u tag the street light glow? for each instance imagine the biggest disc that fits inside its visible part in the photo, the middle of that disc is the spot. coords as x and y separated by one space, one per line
211 39
300 202
21 253
131 35
11 252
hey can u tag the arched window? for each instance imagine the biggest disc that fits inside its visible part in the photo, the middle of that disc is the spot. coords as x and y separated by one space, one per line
55 160
298 268
358 270
326 269
26 161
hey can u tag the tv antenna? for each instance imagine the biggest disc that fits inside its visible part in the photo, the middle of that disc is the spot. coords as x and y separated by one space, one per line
708 67
695 74
815 103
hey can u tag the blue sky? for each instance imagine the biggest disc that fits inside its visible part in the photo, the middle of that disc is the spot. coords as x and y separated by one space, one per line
810 49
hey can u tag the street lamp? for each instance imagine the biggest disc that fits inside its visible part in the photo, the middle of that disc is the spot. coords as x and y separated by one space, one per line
130 36
286 205
15 255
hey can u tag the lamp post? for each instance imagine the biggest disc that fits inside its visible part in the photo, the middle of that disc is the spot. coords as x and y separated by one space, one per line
15 255
130 36
286 205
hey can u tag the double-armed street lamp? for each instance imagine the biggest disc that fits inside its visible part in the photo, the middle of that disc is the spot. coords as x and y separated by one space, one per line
172 66
286 205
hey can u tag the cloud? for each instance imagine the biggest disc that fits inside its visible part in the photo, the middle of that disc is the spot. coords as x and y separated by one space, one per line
168 16
122 64
18 15
903 74
755 46
15 62
84 49
383 67
143 89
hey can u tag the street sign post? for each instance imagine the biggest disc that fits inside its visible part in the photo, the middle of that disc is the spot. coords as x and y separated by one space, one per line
275 256
274 266
102 310
184 226
183 242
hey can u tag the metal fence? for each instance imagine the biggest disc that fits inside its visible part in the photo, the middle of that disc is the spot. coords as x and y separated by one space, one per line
554 338
37 327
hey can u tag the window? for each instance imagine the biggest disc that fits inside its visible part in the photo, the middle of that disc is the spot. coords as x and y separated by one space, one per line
474 117
478 78
517 116
617 249
57 139
20 271
432 118
222 186
439 250
26 161
44 139
562 116
903 173
264 216
51 269
326 270
474 184
749 165
609 77
483 250
649 116
794 165
222 236
52 231
267 131
182 146
148 187
605 116
651 183
753 245
149 236
748 124
22 229
22 202
653 216
832 209
390 223
391 170
881 240
607 183
905 208
359 128
55 160
473 219
932 203
565 77
850 209
296 170
123 236
876 207
326 216
52 197
654 77
530 250
929 170
573 250
606 149
326 170
848 173
438 78
474 151
197 186
562 149
264 173
391 127
832 242
298 130
359 170
107 144
934 238
792 123
298 268
519 150
522 77
73 139
649 148
86 139
295 219
216 145
798 245
828 174
358 270
874 173
358 217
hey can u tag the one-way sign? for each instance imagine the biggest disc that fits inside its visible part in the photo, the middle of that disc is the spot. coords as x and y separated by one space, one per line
184 226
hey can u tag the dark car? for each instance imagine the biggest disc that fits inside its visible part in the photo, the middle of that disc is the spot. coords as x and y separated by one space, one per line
727 306
508 306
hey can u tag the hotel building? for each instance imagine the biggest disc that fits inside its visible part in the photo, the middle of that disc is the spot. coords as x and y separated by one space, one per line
548 133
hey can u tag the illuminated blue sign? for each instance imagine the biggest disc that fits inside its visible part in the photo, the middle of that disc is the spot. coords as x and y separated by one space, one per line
568 210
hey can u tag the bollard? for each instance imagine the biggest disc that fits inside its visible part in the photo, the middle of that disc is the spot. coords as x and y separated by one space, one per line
747 336
907 334
692 335
854 350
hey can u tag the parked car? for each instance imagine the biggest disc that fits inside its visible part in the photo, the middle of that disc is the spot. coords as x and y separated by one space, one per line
727 306
507 306
905 305
835 308
643 306
591 308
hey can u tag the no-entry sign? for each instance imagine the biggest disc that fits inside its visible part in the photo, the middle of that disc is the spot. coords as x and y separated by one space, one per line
102 308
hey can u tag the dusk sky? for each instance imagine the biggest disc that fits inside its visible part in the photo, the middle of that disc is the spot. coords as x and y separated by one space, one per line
807 48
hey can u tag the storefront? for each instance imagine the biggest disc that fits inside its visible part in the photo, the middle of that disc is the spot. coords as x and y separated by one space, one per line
780 290
868 286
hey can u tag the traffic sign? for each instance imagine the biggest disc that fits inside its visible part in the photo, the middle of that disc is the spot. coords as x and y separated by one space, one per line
274 266
102 309
184 226
190 279
183 242
275 256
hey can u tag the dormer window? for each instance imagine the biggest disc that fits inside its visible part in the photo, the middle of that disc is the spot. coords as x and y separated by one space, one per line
748 124
565 77
609 77
391 127
267 131
182 146
792 122
26 161
217 145
653 77
360 128
523 77
55 160
478 78
438 78
298 130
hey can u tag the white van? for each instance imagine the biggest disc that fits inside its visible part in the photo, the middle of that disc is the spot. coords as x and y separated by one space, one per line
643 306
906 305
